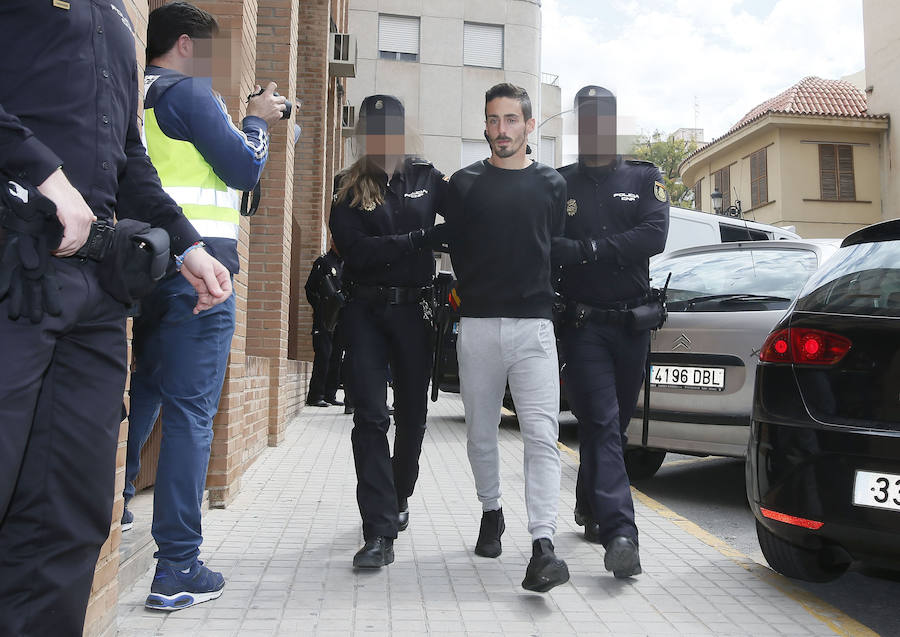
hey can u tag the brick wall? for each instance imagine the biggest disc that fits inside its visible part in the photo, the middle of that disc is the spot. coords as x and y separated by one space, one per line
311 186
256 409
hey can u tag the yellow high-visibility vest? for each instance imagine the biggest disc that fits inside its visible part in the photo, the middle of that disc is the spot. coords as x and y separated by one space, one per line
210 205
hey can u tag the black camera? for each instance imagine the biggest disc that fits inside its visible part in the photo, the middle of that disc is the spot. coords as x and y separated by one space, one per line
287 103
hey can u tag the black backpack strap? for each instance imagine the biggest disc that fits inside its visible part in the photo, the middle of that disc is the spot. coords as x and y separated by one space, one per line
254 205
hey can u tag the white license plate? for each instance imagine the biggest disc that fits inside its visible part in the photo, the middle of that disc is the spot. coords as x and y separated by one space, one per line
707 378
879 490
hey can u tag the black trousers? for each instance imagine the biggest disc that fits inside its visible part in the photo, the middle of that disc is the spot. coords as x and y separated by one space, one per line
379 334
61 387
604 372
326 373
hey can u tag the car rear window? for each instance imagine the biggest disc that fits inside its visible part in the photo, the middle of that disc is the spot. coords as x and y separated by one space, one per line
859 279
769 271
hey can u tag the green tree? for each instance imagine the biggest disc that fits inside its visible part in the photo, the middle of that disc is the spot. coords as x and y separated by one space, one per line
667 154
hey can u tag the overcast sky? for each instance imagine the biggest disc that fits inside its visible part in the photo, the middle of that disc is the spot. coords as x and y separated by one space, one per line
658 56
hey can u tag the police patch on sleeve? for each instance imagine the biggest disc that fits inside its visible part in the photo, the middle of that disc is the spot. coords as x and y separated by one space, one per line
571 207
659 190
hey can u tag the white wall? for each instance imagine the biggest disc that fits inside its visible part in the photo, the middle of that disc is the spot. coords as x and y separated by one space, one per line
444 100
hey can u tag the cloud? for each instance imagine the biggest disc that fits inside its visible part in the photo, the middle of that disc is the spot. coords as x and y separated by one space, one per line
658 55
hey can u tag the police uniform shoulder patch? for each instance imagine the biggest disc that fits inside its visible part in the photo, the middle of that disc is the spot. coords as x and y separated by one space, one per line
659 190
571 207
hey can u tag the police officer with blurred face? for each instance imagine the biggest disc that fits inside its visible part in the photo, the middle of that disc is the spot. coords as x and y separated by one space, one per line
323 291
617 217
381 222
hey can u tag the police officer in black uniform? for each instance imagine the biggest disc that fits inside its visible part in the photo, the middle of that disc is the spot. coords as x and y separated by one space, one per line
617 218
382 223
323 291
68 127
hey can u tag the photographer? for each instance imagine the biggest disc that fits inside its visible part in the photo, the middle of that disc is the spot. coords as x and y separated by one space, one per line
180 358
71 143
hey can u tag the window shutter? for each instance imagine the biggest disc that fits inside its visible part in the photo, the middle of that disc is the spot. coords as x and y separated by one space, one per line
759 182
483 45
828 171
548 151
698 193
398 34
846 185
474 150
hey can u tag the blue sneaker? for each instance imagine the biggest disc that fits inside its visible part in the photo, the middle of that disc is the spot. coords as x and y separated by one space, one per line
127 519
174 589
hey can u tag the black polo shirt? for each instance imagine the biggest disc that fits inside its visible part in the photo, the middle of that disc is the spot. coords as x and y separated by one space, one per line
69 97
625 209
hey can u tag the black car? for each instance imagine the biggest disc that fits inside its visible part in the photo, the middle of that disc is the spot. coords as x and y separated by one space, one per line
823 463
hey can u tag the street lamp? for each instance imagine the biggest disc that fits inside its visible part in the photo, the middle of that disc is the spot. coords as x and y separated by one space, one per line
716 197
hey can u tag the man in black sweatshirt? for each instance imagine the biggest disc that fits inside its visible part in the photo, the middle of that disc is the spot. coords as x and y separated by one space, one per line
502 214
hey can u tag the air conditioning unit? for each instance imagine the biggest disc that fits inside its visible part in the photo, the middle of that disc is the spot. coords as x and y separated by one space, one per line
348 120
342 55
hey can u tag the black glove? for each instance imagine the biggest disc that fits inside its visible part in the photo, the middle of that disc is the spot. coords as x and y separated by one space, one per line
590 250
27 275
427 238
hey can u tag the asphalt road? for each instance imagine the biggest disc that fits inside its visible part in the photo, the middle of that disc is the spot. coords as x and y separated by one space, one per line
710 492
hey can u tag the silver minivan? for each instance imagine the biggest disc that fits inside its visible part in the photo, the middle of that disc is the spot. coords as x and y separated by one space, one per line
723 300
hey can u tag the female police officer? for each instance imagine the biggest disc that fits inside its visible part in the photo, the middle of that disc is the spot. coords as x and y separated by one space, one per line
381 221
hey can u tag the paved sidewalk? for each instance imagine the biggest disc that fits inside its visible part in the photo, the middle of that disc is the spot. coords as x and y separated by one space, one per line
285 547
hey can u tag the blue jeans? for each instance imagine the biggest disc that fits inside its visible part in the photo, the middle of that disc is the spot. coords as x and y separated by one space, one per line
179 365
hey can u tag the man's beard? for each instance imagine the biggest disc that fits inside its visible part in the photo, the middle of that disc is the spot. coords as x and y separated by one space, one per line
511 149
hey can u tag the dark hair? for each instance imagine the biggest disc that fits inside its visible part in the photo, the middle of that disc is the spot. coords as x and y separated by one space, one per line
170 21
506 89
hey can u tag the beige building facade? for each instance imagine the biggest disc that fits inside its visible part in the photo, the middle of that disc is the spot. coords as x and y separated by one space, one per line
807 158
881 23
439 58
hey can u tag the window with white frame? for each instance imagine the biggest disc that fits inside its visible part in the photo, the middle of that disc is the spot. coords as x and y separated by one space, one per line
398 37
483 45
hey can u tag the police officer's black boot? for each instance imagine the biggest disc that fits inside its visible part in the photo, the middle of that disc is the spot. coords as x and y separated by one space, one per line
377 552
492 527
545 570
622 557
403 514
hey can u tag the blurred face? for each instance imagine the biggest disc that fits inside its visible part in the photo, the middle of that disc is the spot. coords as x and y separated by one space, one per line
506 128
384 149
596 130
212 57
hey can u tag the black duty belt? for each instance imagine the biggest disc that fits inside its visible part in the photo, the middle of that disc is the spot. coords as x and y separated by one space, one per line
611 313
390 295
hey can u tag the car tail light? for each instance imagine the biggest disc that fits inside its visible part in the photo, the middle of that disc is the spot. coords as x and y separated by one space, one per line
791 519
804 346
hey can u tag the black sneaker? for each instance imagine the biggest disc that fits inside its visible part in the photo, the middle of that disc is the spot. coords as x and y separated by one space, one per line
545 570
492 527
377 552
622 557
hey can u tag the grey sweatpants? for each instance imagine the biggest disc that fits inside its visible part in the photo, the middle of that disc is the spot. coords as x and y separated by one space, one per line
492 352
